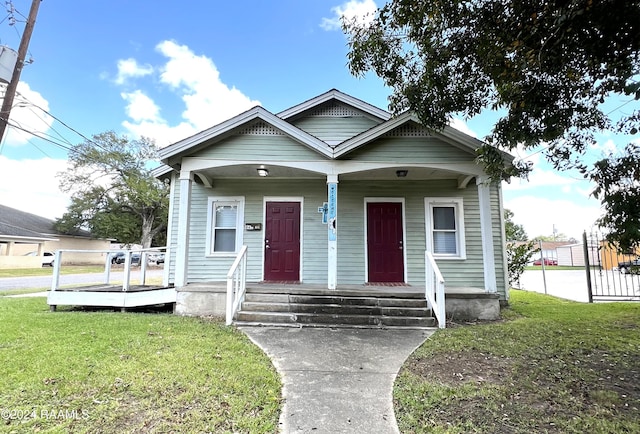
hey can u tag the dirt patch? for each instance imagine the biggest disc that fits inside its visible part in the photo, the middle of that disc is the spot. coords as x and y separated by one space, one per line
525 394
455 368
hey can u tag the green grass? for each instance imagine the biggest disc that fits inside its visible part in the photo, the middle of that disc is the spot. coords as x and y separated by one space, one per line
551 366
102 371
552 267
48 271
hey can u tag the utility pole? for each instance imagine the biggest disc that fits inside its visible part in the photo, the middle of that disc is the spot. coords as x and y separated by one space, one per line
10 93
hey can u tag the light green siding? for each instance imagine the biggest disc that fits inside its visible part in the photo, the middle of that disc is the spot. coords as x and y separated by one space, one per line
410 150
267 147
335 129
351 224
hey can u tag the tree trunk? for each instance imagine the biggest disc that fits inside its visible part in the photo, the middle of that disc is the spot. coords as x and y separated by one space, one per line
147 230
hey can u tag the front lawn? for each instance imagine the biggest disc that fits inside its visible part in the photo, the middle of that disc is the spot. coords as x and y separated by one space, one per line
103 371
553 366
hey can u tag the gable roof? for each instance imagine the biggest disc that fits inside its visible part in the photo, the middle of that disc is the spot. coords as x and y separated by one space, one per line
19 224
335 95
282 122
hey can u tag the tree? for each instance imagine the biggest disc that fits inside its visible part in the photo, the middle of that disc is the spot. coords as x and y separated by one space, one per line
547 65
519 249
114 194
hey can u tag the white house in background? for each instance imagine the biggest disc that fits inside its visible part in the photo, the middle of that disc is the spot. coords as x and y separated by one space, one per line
22 233
331 192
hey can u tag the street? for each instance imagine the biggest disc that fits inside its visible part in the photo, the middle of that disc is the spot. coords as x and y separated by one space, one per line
44 282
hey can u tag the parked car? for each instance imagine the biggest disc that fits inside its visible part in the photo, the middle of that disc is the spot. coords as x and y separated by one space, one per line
48 258
119 258
547 261
627 267
156 258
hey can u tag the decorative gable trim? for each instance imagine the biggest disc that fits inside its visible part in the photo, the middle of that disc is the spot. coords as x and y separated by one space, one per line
260 128
334 109
409 129
334 94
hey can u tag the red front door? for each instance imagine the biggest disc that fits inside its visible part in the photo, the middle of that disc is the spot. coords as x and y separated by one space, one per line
384 242
282 242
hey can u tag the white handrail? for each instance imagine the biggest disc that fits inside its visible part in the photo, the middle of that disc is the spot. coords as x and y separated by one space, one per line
236 284
55 281
434 289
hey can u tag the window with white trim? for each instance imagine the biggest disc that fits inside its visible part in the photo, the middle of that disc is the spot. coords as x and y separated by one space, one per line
444 218
224 225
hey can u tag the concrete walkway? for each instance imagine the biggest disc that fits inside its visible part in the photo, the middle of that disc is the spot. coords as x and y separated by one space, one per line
337 380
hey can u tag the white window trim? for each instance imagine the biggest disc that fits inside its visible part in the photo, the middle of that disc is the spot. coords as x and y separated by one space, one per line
239 224
457 204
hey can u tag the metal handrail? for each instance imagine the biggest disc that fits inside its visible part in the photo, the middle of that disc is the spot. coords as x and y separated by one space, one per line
434 289
236 284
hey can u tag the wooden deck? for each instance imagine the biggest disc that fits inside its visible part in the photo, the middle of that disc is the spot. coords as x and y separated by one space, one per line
112 296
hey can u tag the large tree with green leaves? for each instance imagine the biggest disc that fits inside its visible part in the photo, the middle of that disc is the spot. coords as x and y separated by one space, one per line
547 66
113 193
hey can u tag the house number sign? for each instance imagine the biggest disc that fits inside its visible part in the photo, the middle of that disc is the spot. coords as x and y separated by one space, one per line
333 219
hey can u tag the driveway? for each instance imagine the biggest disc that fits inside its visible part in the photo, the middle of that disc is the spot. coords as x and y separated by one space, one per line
44 282
572 284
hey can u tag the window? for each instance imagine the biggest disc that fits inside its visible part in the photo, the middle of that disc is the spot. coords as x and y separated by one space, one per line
224 228
445 227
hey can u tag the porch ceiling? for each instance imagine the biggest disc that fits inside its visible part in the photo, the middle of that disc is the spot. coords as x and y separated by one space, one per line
382 174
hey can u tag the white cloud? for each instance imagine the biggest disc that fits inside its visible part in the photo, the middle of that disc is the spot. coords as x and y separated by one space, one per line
539 215
38 191
462 126
363 11
27 113
141 108
129 68
207 100
542 178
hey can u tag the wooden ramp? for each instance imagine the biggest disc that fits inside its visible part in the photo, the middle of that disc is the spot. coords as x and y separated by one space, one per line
112 296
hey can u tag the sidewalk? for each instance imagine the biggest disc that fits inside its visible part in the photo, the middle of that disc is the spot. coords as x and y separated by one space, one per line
337 380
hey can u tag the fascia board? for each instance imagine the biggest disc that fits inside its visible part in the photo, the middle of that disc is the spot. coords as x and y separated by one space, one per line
363 106
220 130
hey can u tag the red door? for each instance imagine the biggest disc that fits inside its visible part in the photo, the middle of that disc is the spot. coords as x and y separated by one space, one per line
384 242
282 242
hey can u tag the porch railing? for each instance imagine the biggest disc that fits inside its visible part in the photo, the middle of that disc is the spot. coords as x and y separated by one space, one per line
236 284
434 289
126 277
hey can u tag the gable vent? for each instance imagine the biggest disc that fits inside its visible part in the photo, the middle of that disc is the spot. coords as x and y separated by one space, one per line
335 109
261 128
408 130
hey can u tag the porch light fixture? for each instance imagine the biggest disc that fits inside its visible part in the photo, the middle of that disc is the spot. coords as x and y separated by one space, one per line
262 171
401 173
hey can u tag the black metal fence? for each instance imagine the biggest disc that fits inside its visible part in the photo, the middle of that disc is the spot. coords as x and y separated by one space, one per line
611 275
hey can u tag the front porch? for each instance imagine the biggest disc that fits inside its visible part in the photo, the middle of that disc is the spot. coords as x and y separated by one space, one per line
314 305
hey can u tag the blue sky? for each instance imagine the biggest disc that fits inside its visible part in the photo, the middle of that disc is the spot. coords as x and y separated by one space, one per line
166 71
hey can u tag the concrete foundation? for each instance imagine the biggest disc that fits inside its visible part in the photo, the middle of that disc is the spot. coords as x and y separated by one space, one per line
472 306
201 301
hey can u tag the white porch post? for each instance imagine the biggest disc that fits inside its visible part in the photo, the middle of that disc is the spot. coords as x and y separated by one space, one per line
332 220
486 230
182 247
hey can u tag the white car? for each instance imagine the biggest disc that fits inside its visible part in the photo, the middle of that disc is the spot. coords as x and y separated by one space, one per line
47 259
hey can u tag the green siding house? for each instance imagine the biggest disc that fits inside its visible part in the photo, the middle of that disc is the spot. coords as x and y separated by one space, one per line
331 193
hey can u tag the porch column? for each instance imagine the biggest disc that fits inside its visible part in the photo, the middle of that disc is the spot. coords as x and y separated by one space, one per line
332 220
182 247
486 230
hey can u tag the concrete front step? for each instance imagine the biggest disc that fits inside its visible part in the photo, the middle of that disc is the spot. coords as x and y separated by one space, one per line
334 309
317 309
328 319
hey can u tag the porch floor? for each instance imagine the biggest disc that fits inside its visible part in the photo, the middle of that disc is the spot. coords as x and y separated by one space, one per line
401 290
106 295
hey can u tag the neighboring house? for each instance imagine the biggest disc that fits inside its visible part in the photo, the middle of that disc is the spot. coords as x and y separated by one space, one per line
22 233
331 192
